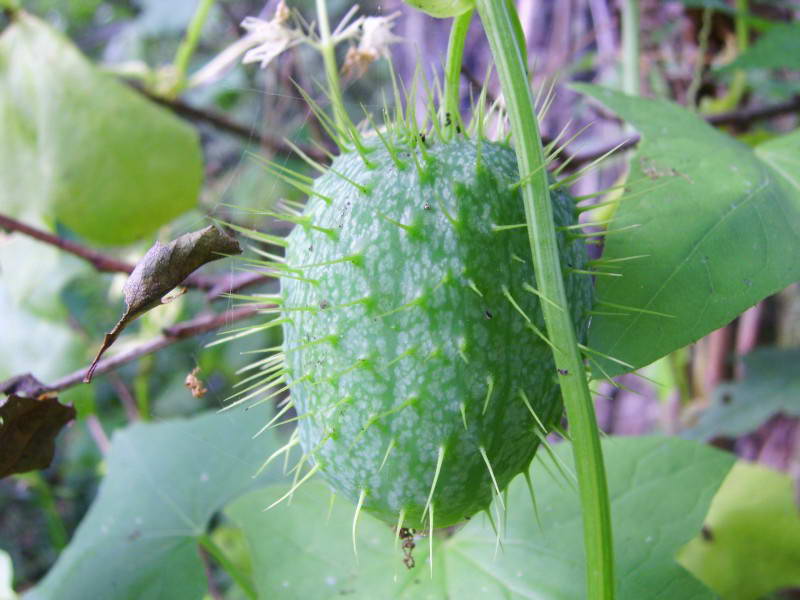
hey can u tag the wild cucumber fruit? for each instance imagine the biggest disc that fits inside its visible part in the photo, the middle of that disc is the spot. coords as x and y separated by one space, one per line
413 337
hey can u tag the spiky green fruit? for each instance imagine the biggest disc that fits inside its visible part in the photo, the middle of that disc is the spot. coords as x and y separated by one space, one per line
414 337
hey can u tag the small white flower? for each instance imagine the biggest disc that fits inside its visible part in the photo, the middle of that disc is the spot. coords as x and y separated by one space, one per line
272 37
377 35
264 41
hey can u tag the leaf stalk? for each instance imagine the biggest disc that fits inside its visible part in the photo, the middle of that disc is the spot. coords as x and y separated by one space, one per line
507 44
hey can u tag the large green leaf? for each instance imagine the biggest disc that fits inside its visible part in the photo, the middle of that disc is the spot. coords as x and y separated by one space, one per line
660 488
771 385
84 149
717 225
165 481
6 577
751 540
33 345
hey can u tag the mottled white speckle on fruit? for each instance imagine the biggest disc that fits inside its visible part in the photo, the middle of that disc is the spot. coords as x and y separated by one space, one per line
426 330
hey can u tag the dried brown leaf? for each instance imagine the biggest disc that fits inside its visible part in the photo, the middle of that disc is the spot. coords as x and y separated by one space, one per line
31 418
163 268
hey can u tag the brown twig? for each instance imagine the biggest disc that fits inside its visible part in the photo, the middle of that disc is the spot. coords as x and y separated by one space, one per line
170 335
224 124
125 397
741 116
745 116
216 286
100 261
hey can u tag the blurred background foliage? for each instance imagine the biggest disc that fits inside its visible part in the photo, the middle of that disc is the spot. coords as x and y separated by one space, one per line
55 308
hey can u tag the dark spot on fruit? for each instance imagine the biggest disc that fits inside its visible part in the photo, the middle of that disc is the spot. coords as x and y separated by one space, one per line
406 535
563 372
706 534
487 314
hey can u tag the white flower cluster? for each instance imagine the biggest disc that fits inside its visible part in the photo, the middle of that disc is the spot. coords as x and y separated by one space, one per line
271 38
277 35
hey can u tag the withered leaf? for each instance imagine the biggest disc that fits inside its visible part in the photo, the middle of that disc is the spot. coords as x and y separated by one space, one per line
31 418
163 268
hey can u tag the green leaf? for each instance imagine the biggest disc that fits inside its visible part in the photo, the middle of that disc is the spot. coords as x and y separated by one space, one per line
32 344
778 48
716 223
660 488
31 419
6 577
82 148
771 385
751 539
165 481
442 8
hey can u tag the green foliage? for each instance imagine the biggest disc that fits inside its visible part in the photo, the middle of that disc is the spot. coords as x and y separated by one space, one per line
414 335
778 48
31 343
750 544
90 158
164 482
660 489
158 17
771 385
83 149
714 221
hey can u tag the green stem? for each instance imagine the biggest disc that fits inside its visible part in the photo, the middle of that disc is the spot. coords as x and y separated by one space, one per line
702 47
455 56
328 51
141 387
631 80
738 84
47 503
242 580
189 45
501 24
742 32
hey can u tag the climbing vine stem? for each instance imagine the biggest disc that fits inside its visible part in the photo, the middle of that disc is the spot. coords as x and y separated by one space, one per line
630 47
455 56
503 31
188 46
328 51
